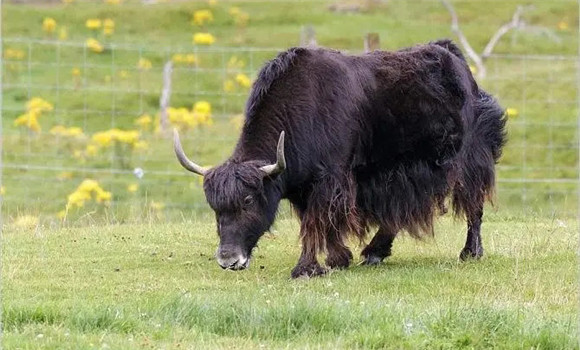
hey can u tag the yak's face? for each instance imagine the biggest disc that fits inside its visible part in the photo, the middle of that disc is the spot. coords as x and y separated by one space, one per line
244 201
245 198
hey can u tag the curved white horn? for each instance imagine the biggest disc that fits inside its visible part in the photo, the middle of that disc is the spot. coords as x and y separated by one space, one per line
280 164
183 160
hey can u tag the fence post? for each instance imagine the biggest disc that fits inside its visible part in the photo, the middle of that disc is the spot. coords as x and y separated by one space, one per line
165 95
308 36
372 42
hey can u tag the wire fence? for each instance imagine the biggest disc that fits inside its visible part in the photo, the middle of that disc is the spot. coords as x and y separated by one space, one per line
120 87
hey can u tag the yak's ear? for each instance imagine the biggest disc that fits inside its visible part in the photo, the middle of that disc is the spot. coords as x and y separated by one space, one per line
280 165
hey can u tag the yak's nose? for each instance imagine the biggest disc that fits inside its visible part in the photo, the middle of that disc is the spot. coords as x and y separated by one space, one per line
232 259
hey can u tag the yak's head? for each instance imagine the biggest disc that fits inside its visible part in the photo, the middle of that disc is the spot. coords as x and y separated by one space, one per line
245 198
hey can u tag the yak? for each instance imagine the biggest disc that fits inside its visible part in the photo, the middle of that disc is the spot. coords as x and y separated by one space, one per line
372 141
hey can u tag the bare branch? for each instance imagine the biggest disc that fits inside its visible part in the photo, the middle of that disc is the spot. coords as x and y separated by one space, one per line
515 23
481 72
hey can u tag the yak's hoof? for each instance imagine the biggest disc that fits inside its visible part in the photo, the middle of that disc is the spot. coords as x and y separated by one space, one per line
470 254
372 260
311 270
339 261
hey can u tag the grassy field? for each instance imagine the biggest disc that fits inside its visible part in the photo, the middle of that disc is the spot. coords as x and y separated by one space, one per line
157 286
109 91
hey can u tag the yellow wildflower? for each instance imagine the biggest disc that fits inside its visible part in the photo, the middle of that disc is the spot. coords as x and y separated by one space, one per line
178 58
203 38
49 25
91 150
38 105
243 80
511 112
229 85
123 74
2 190
144 64
132 188
234 11
63 33
563 26
30 120
144 122
113 2
190 58
15 54
103 138
202 107
108 26
212 3
103 196
200 17
94 45
235 63
76 72
93 23
61 214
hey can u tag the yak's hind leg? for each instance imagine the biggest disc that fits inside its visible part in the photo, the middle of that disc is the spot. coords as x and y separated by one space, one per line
473 248
379 248
338 254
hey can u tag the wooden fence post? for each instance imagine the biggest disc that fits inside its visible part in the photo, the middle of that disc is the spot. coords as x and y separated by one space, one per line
165 95
372 42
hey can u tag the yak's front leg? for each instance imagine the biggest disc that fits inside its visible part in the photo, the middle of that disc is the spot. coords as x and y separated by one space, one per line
308 265
473 248
338 255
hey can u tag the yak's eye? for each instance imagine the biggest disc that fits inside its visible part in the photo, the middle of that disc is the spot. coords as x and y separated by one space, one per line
248 200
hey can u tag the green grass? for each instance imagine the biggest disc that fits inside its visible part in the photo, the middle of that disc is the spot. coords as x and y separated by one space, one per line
542 138
157 286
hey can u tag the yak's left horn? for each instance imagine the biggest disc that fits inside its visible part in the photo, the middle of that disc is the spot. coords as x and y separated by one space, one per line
280 165
185 162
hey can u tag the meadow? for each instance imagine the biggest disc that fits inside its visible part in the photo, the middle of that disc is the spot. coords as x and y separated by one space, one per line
158 286
132 266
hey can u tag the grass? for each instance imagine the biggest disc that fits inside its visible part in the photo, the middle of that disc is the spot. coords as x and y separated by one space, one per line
157 286
112 92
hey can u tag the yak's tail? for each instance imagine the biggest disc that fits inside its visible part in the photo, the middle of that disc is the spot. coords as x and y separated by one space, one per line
481 150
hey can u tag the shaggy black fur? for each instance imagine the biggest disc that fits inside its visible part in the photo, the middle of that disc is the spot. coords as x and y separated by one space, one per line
377 140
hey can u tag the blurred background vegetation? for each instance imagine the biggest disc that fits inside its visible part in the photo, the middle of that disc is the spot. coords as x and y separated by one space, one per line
82 82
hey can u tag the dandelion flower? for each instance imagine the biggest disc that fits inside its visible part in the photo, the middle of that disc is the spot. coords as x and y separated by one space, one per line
49 25
132 188
243 80
63 34
95 46
93 23
203 38
76 72
512 112
108 26
201 17
144 64
144 122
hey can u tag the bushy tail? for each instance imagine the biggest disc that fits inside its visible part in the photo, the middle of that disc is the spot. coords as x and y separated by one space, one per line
480 152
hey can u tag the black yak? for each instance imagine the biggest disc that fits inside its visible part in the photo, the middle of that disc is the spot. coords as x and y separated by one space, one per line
377 140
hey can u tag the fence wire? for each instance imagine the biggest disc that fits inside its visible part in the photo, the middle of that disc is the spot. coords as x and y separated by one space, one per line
113 89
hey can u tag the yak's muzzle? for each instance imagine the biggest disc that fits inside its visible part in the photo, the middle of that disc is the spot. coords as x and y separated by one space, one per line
232 258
